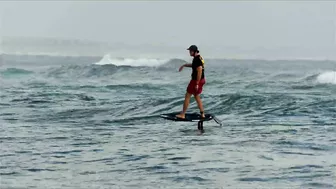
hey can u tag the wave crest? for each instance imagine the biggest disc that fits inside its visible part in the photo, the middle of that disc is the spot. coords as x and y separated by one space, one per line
15 71
327 77
140 62
107 60
76 71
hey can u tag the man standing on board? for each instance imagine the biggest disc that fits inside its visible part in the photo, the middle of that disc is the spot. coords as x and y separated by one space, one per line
196 83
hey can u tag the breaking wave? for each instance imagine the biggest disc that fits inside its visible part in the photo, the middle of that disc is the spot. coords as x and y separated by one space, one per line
107 60
140 62
327 77
101 70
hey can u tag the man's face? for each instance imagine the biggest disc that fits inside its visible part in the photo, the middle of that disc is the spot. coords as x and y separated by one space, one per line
192 53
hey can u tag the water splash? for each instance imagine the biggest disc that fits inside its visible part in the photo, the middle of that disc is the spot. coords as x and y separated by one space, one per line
327 77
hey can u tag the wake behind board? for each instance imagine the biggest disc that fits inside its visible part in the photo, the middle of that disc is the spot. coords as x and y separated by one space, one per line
191 117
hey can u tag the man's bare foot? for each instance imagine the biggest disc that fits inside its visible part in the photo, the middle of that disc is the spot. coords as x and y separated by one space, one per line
182 116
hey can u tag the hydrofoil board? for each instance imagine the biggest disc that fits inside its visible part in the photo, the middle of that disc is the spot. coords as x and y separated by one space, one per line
191 117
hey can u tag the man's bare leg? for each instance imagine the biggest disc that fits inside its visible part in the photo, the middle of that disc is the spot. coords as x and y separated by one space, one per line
200 104
185 106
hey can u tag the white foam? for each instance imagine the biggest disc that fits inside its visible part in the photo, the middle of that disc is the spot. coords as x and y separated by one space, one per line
152 62
327 77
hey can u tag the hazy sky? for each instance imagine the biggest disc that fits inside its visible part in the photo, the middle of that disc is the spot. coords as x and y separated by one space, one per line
309 27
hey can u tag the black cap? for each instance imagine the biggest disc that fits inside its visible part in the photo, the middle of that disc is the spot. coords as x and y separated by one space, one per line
193 48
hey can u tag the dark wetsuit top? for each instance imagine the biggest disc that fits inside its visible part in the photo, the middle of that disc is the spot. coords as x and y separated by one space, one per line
197 61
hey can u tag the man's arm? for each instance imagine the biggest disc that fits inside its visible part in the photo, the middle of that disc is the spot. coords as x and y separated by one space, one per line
185 65
199 69
199 73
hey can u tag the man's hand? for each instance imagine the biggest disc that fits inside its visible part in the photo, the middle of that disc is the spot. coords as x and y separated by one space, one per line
181 68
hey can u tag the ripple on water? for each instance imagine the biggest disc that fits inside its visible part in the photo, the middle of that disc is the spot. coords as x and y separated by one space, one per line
186 179
178 158
318 185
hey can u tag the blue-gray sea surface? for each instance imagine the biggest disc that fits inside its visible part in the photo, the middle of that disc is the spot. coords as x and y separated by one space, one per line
66 122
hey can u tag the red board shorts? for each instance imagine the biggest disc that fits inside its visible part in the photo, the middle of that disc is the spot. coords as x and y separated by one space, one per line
192 84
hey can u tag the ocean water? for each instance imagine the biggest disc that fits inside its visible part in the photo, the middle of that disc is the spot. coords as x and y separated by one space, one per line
92 122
